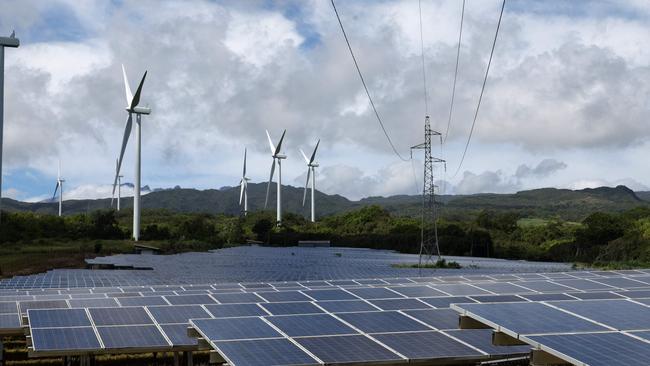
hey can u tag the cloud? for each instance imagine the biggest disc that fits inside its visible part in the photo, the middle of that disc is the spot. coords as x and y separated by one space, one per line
486 182
545 168
595 183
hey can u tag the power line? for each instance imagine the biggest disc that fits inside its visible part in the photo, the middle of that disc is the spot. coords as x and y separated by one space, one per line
478 106
424 74
365 87
453 90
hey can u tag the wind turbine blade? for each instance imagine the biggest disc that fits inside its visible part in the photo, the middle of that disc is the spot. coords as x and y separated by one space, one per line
56 188
304 156
136 97
127 88
244 172
268 186
270 142
241 192
125 140
277 149
304 196
313 155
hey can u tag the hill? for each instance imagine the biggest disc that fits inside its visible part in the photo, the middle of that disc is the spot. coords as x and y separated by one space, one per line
544 202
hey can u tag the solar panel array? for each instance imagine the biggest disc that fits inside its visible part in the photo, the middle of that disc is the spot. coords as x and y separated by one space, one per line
383 316
607 332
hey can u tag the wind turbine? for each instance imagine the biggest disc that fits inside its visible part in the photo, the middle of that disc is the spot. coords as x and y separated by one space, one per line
275 153
243 194
119 184
132 108
59 184
311 171
12 42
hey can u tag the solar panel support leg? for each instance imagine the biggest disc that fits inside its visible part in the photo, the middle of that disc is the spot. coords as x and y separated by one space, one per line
465 322
502 339
541 358
190 358
177 361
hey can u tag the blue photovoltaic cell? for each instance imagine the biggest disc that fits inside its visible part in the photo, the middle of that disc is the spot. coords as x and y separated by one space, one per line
427 345
10 321
235 310
141 336
382 322
58 318
346 306
584 285
636 294
281 285
330 294
264 352
237 298
190 300
417 291
497 298
371 282
375 293
310 325
177 313
619 314
437 318
543 286
502 288
399 304
177 334
286 308
61 339
482 339
8 307
444 302
460 289
598 349
621 282
530 318
343 283
93 303
644 334
50 304
546 297
142 301
643 301
235 328
398 281
596 295
347 349
120 316
281 296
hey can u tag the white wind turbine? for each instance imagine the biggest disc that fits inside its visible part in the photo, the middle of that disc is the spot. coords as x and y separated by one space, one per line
119 184
132 108
243 194
311 171
275 153
59 187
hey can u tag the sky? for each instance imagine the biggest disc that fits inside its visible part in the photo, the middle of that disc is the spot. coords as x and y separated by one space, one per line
566 104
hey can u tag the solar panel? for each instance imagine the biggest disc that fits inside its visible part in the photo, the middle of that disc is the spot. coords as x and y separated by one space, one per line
375 293
437 318
636 294
341 306
138 336
238 298
8 307
310 325
585 285
596 295
190 300
235 310
58 318
619 314
399 304
417 291
597 349
283 296
120 316
444 302
333 294
643 334
286 308
263 352
460 289
427 345
621 282
58 339
93 303
543 286
497 298
10 321
177 313
529 318
502 288
50 304
177 335
482 339
142 301
234 328
547 297
382 322
347 349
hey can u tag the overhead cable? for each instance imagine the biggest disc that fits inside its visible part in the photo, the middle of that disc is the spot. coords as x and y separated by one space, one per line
453 89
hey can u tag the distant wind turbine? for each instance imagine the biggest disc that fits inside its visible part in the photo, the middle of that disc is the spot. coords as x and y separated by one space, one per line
311 171
132 108
59 186
275 153
243 194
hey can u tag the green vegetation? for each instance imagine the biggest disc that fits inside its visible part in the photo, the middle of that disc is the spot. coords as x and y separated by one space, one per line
440 263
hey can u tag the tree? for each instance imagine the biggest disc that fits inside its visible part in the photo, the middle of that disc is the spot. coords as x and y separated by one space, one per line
262 229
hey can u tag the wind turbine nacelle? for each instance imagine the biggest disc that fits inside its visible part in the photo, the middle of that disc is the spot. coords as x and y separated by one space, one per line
314 165
139 110
280 156
9 42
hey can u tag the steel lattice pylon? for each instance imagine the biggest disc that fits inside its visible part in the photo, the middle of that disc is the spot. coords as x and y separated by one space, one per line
429 235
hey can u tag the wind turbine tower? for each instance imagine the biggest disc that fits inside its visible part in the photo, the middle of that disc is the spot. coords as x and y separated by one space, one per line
13 42
119 183
59 187
311 171
277 157
243 194
132 108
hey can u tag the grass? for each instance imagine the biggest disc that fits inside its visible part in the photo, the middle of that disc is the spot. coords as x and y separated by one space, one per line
441 263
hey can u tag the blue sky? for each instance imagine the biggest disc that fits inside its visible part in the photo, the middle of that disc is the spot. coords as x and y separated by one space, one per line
566 104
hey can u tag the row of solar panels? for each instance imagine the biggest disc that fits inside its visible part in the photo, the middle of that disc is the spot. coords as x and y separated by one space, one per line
595 332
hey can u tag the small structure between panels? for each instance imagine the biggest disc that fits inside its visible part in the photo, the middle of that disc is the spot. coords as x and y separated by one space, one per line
381 321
